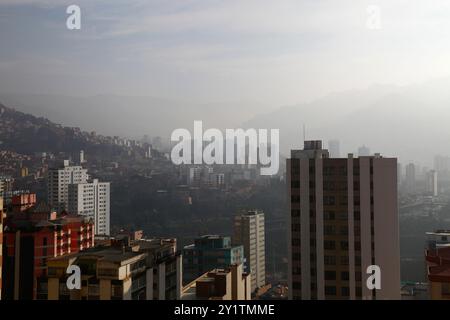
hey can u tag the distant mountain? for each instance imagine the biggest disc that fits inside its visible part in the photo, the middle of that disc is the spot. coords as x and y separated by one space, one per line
131 116
411 122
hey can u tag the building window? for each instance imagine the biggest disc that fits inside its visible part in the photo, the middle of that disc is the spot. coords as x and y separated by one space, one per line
329 230
329 200
329 245
329 215
295 184
343 216
330 275
344 231
344 261
345 291
295 213
329 260
330 290
328 186
344 275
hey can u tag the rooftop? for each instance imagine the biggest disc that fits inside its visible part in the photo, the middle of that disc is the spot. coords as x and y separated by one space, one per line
111 254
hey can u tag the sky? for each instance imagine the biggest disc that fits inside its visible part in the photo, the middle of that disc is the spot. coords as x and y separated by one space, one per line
273 52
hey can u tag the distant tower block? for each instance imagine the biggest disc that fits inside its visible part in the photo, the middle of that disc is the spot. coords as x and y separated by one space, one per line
363 151
82 160
149 152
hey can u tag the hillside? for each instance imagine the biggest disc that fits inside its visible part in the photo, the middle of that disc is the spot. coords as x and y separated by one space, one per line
26 134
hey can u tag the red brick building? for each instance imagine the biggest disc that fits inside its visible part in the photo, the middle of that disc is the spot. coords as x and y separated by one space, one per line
32 234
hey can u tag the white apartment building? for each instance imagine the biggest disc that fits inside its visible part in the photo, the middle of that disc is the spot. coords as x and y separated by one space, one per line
59 180
249 231
432 183
91 199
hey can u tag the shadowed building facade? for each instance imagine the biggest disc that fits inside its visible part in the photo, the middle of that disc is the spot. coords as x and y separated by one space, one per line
343 218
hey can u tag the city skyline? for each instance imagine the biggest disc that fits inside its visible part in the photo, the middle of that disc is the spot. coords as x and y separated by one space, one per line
219 150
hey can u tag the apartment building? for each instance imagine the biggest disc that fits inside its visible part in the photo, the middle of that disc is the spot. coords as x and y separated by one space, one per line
249 231
33 234
141 270
59 180
92 200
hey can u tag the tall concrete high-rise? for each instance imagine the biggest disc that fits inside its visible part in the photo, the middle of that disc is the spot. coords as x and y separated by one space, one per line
343 218
334 148
249 231
59 180
92 200
71 189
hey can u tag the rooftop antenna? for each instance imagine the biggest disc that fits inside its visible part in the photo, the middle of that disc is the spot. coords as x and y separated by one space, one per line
304 134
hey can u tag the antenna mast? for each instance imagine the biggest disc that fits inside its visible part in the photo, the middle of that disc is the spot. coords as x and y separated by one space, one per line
304 134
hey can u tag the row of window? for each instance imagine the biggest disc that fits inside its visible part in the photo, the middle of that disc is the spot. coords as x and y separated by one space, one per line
331 290
328 215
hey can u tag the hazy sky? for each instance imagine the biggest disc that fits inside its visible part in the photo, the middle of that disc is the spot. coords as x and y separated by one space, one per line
277 52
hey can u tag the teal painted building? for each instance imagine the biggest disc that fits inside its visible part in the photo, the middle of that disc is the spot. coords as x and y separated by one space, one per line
207 253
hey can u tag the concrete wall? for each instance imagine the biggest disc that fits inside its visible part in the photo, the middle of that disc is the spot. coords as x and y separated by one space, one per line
387 243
